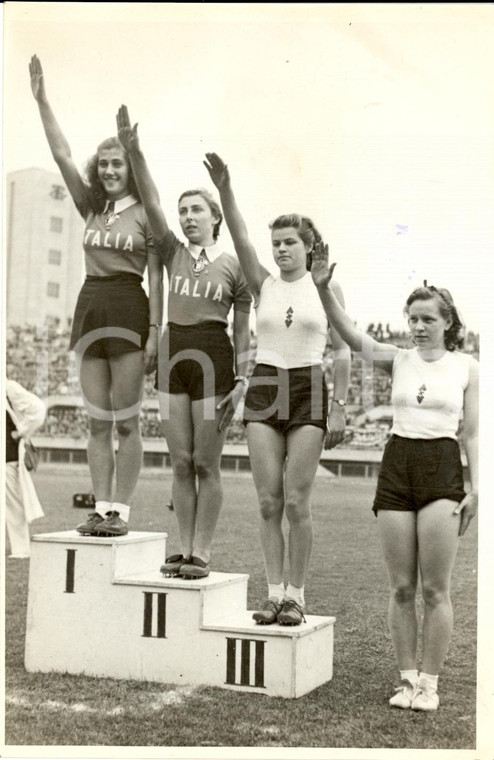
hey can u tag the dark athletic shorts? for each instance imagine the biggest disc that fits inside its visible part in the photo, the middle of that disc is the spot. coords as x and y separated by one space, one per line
285 398
415 472
117 301
206 366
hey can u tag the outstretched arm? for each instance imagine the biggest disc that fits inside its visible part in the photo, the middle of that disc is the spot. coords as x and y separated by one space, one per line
368 348
254 272
145 184
58 144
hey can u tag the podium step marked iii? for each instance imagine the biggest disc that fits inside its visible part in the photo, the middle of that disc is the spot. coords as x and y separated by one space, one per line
100 607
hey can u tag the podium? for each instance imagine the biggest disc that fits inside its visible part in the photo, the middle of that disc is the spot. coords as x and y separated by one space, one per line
100 607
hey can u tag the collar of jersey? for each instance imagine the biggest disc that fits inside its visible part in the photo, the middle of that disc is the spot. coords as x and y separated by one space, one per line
212 252
122 203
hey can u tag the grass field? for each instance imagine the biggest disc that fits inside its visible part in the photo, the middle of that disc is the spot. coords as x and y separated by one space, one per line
347 579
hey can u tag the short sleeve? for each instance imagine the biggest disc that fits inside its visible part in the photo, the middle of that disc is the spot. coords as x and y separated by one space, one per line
242 298
167 247
148 236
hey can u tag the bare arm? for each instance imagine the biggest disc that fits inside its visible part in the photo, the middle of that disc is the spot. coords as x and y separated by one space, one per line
155 277
145 184
241 343
341 380
368 349
468 507
254 272
58 144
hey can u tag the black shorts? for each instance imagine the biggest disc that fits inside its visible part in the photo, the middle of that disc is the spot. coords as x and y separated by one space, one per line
285 398
109 305
206 366
414 472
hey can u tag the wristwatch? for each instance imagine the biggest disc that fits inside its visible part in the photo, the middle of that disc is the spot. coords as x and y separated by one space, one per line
241 379
339 401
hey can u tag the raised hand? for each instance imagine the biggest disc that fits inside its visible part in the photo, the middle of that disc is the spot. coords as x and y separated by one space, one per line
37 79
321 273
218 170
127 134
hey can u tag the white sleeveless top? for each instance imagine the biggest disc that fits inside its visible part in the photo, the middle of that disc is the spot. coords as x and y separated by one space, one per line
427 397
291 323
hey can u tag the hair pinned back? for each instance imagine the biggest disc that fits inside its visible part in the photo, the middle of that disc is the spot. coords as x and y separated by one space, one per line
305 227
453 336
212 203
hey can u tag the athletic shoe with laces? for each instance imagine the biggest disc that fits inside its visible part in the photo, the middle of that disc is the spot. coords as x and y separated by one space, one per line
291 613
405 692
195 567
88 528
112 525
426 698
269 612
172 565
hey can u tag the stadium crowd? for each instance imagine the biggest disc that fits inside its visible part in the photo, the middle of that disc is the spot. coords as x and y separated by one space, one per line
39 358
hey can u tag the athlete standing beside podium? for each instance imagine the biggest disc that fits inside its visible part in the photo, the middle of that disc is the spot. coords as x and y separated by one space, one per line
420 501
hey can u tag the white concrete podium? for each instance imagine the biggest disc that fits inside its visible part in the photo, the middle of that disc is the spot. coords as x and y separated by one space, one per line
100 607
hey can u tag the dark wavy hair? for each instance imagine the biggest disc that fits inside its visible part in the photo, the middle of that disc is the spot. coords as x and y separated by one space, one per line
96 191
454 335
305 227
212 203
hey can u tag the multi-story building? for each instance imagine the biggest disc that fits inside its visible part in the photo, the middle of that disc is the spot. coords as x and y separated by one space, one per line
43 235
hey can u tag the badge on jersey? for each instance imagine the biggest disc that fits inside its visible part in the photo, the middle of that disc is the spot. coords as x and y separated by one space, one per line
110 219
199 264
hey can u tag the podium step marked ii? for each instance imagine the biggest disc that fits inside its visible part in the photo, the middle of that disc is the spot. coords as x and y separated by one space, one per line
100 607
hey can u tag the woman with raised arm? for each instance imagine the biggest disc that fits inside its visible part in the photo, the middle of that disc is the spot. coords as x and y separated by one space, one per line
420 502
115 326
198 389
286 407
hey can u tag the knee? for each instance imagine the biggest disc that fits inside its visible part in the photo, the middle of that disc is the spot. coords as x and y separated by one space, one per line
297 509
205 469
182 466
127 427
271 506
101 429
434 595
404 593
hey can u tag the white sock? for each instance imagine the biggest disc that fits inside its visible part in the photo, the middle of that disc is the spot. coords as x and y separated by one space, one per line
276 591
122 509
430 681
102 507
292 592
410 675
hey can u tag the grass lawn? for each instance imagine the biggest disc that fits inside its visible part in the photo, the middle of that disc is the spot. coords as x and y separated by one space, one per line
347 579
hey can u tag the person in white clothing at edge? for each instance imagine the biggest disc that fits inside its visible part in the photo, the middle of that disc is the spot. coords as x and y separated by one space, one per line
25 413
420 503
286 407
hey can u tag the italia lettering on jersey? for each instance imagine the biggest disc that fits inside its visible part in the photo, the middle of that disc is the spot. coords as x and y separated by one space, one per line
108 240
183 286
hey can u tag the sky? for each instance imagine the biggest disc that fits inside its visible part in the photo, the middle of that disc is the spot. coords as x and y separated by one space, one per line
371 119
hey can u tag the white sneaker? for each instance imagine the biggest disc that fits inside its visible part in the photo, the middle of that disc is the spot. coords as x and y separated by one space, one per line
405 693
425 698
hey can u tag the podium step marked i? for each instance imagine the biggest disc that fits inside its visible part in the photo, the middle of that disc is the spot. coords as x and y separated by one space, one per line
100 607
